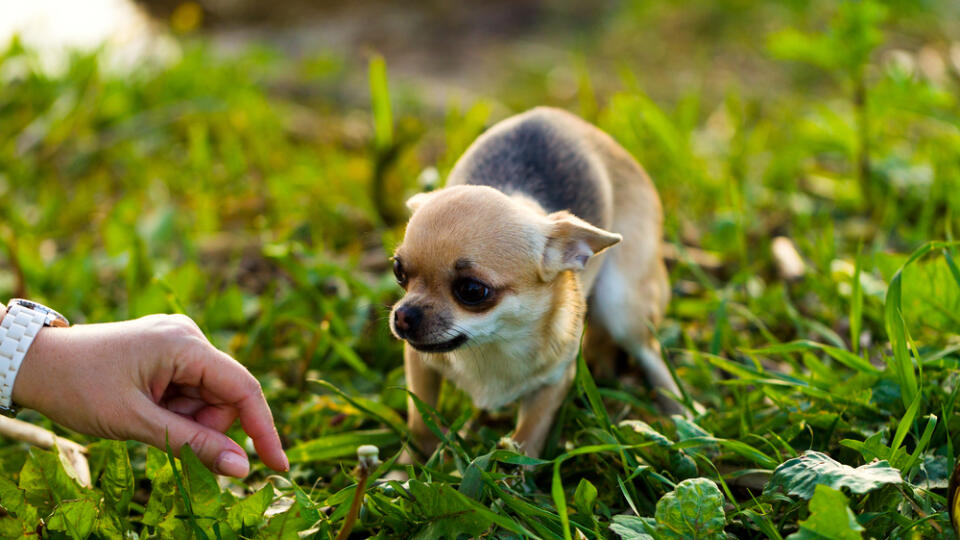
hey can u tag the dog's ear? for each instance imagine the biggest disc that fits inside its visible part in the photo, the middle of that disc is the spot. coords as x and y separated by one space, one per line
417 200
570 242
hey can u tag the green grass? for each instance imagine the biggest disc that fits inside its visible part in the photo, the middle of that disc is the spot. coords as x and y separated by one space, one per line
206 188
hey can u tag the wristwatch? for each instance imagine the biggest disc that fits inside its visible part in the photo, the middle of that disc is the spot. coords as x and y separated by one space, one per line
18 328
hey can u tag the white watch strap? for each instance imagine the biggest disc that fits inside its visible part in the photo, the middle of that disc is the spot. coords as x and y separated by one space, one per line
17 330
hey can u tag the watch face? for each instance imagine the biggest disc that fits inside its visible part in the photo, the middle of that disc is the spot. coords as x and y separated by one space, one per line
28 304
54 318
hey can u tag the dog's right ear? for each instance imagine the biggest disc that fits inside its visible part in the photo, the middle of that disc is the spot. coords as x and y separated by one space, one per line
417 200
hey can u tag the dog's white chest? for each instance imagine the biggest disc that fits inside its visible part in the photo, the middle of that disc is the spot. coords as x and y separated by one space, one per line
497 375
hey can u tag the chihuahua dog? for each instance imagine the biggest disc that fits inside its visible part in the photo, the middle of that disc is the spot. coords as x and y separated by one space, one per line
542 216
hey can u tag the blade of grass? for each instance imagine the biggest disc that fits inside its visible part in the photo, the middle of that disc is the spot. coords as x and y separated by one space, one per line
846 358
764 524
856 303
745 312
380 103
339 445
900 363
524 509
377 411
556 487
954 271
429 414
185 497
684 396
921 445
740 448
626 495
720 325
903 427
504 521
588 389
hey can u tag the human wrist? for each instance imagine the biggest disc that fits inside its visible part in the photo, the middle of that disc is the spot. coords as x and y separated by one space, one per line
21 324
34 377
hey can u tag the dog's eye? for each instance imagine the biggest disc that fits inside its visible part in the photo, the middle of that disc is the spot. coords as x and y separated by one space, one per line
470 292
399 273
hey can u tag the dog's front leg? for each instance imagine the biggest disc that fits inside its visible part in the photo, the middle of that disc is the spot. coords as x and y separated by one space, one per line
537 411
424 382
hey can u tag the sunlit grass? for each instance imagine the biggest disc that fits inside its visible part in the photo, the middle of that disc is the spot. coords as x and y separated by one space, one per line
268 218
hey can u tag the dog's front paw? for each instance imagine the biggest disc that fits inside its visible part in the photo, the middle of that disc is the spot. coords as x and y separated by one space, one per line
406 457
398 475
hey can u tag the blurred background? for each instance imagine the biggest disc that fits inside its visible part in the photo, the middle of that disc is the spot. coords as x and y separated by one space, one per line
246 163
146 144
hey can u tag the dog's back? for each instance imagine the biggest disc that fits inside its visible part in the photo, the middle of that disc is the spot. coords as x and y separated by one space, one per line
537 154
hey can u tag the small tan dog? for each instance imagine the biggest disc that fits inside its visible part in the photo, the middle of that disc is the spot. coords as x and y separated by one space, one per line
499 268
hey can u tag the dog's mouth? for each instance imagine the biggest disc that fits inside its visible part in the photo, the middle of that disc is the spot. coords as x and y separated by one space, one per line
442 347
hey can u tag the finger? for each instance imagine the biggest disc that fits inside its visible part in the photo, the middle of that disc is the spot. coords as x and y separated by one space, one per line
184 405
218 417
257 422
229 382
214 449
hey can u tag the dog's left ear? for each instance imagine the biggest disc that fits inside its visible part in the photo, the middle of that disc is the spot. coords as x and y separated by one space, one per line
571 242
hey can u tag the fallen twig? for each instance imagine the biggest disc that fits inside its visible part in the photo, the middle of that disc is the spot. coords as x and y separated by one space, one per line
37 436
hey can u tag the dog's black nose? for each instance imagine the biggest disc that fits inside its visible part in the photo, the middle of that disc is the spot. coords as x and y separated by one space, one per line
407 319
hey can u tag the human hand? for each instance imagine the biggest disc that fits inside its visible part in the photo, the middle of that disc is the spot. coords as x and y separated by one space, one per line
149 379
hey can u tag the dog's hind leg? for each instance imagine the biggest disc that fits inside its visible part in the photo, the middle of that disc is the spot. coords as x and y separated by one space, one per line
627 306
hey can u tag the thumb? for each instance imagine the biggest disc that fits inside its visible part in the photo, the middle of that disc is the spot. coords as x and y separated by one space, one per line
218 452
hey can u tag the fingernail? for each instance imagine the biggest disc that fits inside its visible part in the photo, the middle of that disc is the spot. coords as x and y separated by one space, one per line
232 464
286 463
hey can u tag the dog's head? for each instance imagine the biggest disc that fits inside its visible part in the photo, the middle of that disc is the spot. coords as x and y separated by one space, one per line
475 262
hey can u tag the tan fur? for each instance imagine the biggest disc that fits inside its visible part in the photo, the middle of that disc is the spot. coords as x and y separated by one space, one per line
523 347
